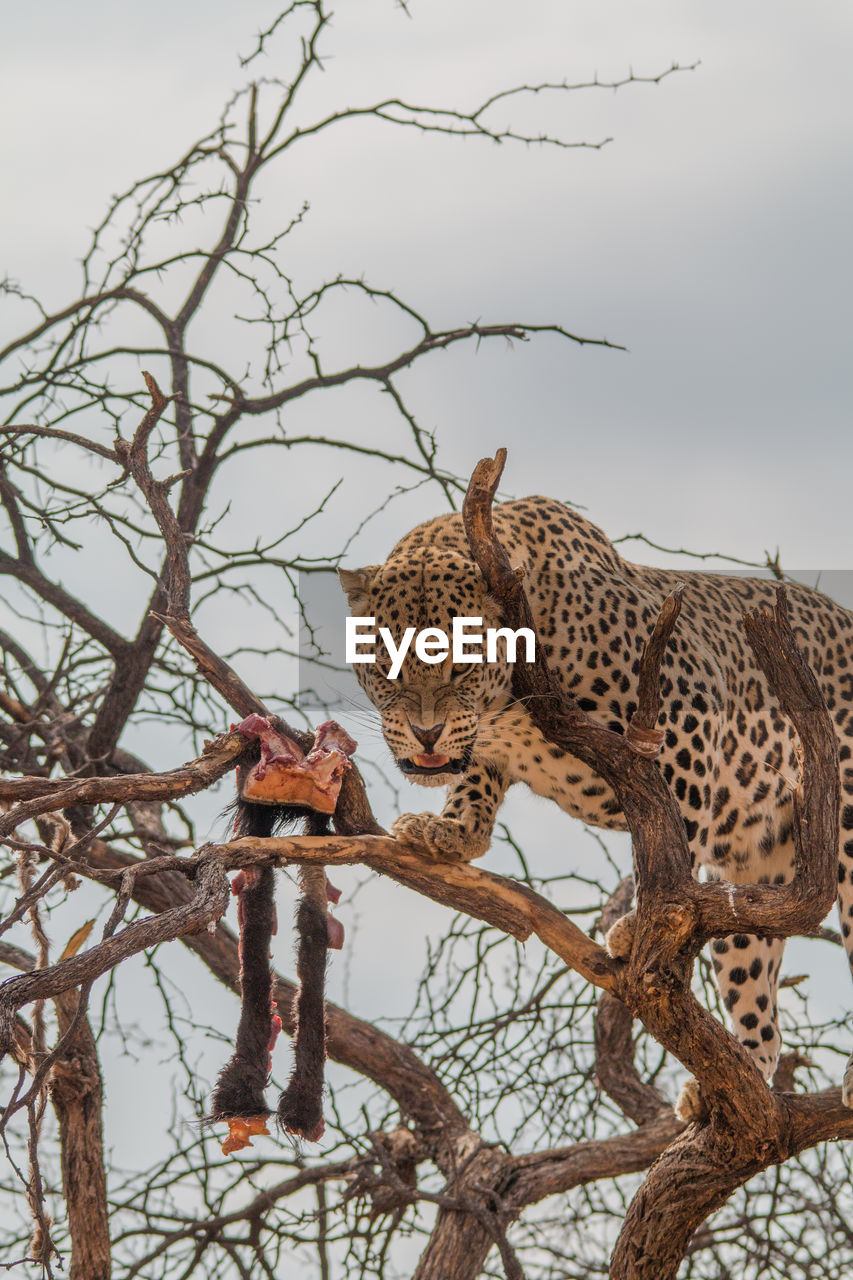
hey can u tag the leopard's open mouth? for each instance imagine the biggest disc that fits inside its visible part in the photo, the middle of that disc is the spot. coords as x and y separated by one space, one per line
431 765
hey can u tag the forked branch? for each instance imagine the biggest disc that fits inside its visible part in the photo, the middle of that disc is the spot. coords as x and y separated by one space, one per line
749 1127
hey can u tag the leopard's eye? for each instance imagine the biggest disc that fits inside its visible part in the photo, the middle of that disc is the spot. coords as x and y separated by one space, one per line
459 671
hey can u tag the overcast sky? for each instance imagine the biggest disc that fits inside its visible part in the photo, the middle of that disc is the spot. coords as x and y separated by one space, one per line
710 237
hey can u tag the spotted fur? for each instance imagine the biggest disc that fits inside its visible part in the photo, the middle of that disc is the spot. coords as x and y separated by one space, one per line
729 755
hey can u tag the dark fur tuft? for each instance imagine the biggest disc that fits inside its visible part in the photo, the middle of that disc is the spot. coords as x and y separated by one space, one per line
261 819
239 1090
300 1108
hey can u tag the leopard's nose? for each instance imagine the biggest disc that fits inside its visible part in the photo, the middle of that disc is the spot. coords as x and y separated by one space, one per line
427 737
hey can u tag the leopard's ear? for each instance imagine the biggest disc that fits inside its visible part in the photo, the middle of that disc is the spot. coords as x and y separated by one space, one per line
356 584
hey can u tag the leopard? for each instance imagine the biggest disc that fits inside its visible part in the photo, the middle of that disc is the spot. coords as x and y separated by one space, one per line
729 755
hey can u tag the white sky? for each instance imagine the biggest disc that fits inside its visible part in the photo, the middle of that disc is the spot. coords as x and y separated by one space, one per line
711 237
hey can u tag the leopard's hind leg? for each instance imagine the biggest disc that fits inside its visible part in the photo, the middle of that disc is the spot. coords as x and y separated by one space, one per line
747 971
845 885
747 968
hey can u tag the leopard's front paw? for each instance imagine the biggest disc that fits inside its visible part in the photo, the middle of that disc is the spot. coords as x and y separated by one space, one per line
440 836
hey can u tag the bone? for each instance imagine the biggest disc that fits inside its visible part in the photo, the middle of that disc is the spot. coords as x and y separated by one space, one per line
284 775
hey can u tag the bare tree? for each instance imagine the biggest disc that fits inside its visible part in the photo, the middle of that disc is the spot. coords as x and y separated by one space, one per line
497 1131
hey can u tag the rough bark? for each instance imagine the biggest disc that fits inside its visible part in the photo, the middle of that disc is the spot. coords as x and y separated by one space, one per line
514 908
615 1070
466 1230
76 1092
749 1127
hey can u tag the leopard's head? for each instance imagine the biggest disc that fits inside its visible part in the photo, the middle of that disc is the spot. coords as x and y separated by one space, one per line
432 712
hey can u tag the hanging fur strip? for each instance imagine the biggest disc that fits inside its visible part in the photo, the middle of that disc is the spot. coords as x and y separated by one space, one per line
276 772
300 1108
238 1096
